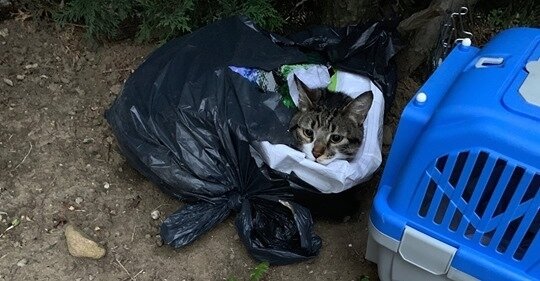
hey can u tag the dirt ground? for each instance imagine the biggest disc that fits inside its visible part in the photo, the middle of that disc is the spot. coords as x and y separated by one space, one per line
59 164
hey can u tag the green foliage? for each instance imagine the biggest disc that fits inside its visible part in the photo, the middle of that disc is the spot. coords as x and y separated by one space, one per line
516 13
101 17
263 13
363 278
257 273
160 20
164 20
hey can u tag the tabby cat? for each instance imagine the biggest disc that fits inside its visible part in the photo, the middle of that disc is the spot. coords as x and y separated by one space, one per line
329 125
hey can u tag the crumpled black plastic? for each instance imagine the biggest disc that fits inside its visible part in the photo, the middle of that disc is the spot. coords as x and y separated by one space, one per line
185 121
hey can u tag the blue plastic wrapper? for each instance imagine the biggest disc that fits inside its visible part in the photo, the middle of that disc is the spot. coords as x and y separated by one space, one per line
185 120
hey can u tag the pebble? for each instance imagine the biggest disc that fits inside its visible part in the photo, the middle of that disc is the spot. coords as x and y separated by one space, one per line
4 32
31 66
20 76
81 246
78 200
159 241
106 185
154 214
8 82
80 91
115 89
147 236
22 263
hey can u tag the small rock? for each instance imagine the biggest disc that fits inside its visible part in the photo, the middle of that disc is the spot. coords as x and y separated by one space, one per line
80 246
159 241
8 82
97 228
71 208
90 277
31 66
80 91
64 80
20 77
78 200
115 89
4 32
106 185
147 236
88 140
22 262
93 149
154 214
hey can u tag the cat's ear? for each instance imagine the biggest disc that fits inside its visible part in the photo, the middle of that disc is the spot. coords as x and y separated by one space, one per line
359 107
308 97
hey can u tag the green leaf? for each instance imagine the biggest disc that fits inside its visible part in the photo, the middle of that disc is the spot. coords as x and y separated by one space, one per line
15 222
363 278
259 271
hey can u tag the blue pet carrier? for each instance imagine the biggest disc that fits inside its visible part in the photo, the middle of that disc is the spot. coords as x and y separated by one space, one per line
459 195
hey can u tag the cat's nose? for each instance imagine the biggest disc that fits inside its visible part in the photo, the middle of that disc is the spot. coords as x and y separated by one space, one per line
317 152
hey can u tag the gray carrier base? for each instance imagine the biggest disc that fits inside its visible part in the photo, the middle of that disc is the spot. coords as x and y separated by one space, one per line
417 257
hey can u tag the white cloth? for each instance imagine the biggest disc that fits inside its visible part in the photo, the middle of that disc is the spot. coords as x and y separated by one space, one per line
339 175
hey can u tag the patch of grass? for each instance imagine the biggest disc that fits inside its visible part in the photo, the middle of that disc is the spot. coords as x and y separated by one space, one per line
257 273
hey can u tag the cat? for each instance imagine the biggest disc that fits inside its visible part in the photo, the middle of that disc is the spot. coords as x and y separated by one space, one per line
329 125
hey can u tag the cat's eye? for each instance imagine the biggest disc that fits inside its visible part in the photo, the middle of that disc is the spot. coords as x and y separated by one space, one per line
308 133
336 138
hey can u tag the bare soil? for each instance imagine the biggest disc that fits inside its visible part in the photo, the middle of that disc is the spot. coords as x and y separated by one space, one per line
56 149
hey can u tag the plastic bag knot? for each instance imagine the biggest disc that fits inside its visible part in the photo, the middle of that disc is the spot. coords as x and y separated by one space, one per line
235 201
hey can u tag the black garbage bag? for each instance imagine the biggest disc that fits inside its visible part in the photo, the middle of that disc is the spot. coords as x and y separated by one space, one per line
186 121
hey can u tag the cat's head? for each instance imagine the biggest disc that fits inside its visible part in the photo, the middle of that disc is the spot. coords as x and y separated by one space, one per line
329 125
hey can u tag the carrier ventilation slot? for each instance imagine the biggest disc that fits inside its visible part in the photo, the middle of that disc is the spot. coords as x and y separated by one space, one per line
484 199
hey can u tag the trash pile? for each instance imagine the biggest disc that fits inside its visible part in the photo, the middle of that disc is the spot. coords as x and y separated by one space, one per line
206 119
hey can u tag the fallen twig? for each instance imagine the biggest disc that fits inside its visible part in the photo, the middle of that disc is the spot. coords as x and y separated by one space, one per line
28 153
135 276
113 70
124 268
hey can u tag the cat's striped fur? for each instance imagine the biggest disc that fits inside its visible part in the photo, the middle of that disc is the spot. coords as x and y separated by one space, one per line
329 125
